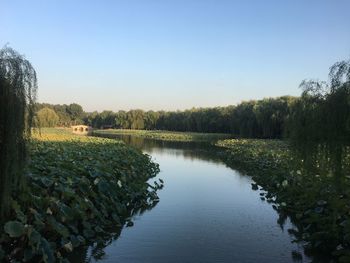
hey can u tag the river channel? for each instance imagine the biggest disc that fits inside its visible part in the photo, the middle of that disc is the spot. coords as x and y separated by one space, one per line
207 212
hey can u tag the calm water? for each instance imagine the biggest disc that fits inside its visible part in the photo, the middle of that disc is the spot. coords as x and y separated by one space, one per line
207 213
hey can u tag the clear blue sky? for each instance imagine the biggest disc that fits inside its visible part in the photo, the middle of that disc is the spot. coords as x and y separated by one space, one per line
174 54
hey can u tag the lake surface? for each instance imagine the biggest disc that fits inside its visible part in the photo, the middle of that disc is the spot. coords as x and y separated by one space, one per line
207 213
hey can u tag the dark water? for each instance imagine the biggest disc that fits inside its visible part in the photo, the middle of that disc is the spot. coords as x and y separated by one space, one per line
207 213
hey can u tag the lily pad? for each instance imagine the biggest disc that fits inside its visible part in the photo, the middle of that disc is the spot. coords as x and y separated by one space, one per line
14 228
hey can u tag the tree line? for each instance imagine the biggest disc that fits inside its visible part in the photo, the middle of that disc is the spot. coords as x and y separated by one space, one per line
321 112
51 115
264 118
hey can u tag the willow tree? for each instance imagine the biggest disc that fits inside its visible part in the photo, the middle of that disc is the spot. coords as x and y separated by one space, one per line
323 112
18 85
320 123
46 117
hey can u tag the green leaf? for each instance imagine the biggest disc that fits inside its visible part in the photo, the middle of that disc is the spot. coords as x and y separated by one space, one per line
98 229
34 237
28 255
81 239
46 181
88 233
58 227
66 211
2 253
14 228
74 240
47 251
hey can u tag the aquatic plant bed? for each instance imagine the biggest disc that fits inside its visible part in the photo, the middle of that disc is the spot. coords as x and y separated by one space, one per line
80 189
165 135
313 199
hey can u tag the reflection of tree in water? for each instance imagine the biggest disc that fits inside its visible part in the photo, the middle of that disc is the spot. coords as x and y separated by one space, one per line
95 251
322 167
325 169
319 129
328 159
189 150
320 124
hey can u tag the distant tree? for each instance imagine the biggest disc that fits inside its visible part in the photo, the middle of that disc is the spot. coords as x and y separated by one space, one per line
264 118
90 118
18 85
323 111
244 121
75 112
47 117
121 120
68 114
321 120
271 116
64 117
151 118
136 119
108 119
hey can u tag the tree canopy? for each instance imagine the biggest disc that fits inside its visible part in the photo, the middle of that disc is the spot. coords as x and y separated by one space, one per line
257 119
18 85
322 114
46 117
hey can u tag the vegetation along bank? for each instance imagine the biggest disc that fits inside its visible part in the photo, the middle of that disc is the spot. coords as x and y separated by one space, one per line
164 135
304 187
300 182
80 189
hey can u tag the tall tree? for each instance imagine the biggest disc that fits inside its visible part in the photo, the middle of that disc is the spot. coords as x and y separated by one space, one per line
323 112
47 117
321 119
75 111
18 85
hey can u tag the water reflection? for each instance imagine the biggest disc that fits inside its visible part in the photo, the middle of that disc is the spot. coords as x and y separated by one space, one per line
325 169
189 150
207 213
96 251
331 158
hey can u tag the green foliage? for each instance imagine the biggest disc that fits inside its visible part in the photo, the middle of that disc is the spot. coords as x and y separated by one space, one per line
164 135
258 119
46 117
80 188
68 114
18 86
322 114
136 118
321 118
14 228
307 190
75 111
2 253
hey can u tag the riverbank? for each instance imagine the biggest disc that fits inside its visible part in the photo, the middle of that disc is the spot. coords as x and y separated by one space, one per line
80 189
312 199
165 135
308 194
